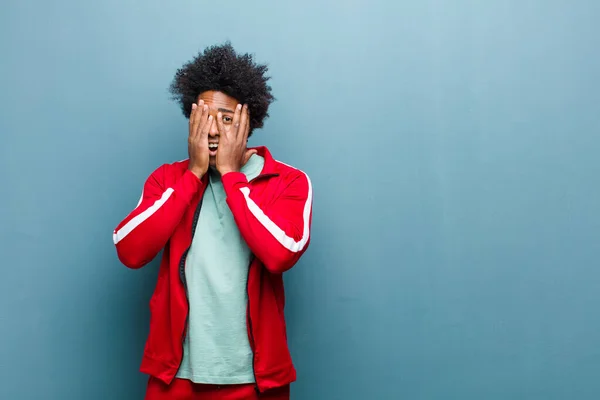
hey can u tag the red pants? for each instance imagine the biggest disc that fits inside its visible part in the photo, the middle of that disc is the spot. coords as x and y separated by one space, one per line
183 389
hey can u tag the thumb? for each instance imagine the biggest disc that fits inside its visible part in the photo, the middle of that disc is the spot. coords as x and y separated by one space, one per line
249 154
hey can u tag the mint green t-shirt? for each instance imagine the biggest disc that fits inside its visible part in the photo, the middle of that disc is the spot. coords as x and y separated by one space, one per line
216 349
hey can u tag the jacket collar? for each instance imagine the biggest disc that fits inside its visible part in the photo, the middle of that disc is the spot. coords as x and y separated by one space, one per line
270 167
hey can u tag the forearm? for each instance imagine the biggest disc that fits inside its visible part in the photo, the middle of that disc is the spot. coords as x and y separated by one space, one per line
279 235
146 230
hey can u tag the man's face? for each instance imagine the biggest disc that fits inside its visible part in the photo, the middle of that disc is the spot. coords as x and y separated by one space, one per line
217 102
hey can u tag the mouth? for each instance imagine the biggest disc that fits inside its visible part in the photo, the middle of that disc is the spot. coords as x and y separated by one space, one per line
212 148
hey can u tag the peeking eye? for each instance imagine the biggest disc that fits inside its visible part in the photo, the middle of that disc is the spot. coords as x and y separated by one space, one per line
227 119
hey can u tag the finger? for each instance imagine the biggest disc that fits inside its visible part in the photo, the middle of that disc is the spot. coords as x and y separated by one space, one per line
204 131
236 121
197 119
193 118
241 133
249 154
203 119
247 132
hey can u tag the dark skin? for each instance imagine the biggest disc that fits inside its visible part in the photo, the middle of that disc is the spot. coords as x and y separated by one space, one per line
218 134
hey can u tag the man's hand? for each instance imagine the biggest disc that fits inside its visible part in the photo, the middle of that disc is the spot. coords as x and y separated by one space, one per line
200 122
232 153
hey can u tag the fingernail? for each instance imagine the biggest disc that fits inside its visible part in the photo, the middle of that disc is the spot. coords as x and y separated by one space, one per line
210 117
205 107
194 106
239 107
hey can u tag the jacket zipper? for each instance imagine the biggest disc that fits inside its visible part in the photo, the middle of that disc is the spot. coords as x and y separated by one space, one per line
248 297
253 347
184 282
182 276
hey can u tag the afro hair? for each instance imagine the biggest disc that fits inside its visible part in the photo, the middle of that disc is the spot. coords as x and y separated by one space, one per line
220 68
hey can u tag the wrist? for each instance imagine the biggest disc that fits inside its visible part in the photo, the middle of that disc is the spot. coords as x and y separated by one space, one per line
198 172
228 169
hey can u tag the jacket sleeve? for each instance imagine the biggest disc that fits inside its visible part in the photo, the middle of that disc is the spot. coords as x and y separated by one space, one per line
279 233
147 229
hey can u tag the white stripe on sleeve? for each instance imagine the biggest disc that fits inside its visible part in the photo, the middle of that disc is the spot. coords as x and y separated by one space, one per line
286 241
141 217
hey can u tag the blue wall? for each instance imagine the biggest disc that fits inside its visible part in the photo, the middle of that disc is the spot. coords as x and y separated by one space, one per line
453 148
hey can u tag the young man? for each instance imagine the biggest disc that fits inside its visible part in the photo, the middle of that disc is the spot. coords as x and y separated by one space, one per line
230 220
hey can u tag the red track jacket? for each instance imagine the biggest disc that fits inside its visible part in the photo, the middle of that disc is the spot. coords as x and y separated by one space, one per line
273 213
